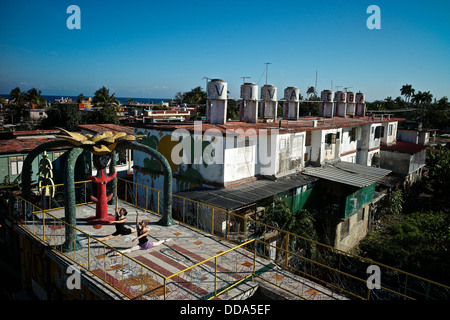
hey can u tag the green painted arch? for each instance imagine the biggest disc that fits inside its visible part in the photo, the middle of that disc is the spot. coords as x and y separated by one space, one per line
28 162
166 219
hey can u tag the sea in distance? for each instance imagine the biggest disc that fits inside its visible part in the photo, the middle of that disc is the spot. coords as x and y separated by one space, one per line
51 99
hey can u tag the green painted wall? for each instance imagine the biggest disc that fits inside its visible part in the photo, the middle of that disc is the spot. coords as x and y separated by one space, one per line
58 167
298 199
356 200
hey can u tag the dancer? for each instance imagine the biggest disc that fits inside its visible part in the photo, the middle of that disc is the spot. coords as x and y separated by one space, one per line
142 233
121 230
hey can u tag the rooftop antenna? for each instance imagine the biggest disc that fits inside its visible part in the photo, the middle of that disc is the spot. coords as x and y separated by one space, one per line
206 88
243 79
337 88
267 66
315 85
345 89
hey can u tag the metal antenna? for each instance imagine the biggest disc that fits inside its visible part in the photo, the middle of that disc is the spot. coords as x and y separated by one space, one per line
243 79
267 67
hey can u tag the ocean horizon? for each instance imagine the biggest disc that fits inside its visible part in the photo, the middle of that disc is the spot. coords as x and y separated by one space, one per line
122 100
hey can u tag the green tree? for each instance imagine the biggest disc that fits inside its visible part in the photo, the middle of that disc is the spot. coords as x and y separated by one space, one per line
280 216
35 96
438 162
106 114
417 243
81 98
407 91
233 109
64 116
17 96
311 92
195 97
102 96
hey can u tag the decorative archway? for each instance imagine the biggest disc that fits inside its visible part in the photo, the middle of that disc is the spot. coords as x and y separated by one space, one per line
104 144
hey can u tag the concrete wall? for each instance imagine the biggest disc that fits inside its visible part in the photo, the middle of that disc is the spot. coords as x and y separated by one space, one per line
356 232
321 151
389 139
413 136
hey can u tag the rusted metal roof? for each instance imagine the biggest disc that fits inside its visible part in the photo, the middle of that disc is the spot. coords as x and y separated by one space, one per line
244 194
348 173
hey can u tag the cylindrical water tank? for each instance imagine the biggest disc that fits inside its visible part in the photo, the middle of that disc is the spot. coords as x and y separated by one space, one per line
360 97
217 90
341 96
350 97
249 91
327 96
291 94
269 93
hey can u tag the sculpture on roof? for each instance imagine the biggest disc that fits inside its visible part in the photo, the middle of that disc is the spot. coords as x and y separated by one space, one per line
46 185
103 146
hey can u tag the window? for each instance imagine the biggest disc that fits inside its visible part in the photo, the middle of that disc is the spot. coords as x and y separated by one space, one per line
352 134
308 138
391 130
58 162
16 164
360 214
345 228
379 132
330 138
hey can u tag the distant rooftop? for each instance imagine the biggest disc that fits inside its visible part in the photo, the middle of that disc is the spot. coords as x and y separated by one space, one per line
405 147
12 146
99 128
303 124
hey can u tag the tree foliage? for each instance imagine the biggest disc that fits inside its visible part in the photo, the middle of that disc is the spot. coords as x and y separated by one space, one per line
280 216
417 243
102 97
64 116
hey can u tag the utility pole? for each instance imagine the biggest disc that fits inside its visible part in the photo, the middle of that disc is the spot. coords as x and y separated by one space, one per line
267 66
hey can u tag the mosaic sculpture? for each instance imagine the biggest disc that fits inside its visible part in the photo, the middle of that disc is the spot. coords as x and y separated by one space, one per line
102 146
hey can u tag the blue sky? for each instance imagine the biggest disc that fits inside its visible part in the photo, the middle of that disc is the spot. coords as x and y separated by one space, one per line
152 49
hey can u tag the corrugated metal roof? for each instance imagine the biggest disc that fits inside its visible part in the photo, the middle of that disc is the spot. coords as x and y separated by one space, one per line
348 173
247 193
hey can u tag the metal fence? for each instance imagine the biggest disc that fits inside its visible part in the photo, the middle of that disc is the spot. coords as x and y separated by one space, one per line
341 272
132 278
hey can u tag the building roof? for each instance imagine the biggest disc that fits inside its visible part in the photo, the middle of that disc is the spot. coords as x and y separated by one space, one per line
291 126
239 196
13 146
99 128
348 173
405 147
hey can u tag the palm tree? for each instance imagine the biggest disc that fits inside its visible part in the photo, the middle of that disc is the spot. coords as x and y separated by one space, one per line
81 98
102 96
407 91
280 216
310 91
427 97
417 97
17 95
35 96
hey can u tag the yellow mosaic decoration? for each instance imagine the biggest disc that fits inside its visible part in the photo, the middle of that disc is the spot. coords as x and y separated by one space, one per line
100 143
